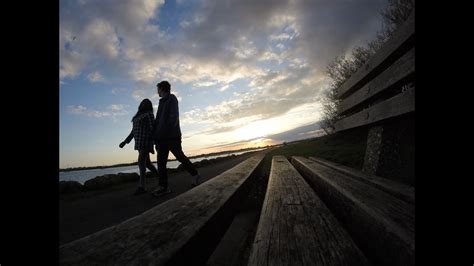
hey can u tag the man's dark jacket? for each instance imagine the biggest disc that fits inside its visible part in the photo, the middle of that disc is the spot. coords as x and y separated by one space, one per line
166 125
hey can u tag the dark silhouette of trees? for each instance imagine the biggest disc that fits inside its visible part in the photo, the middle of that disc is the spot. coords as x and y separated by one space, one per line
341 68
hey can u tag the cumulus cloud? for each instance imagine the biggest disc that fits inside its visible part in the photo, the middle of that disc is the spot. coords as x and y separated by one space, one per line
112 110
116 91
205 83
223 49
226 32
95 77
328 29
225 87
280 37
280 48
77 109
254 68
281 93
70 65
102 31
117 107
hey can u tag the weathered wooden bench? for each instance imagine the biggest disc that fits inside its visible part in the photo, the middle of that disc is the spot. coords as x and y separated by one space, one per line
381 224
181 231
381 96
397 189
296 227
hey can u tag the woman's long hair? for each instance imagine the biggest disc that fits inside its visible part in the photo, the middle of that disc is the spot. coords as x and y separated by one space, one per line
145 106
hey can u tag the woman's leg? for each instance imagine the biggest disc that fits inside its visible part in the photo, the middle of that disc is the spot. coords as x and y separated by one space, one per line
143 156
150 166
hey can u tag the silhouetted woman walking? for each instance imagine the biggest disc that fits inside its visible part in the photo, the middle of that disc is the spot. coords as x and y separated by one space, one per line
142 133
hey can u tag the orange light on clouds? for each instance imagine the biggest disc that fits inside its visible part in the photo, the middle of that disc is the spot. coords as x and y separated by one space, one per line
257 129
258 143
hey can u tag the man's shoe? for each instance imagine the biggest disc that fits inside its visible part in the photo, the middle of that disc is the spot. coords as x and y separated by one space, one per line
139 191
160 190
196 180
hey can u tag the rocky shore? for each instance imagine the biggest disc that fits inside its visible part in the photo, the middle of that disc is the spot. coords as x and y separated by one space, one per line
110 180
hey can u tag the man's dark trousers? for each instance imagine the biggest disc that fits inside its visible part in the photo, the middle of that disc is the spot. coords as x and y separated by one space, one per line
163 149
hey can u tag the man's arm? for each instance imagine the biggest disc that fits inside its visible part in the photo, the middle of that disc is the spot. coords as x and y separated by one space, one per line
174 112
155 128
170 118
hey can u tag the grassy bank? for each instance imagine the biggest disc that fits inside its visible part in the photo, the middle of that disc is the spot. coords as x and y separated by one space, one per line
346 148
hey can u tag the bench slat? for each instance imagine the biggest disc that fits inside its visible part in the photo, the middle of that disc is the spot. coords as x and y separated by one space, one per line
401 69
400 38
382 225
401 104
171 231
296 228
399 190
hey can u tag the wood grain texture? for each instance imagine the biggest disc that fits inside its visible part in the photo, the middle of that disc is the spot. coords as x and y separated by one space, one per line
399 70
381 225
402 103
401 36
166 231
295 226
399 190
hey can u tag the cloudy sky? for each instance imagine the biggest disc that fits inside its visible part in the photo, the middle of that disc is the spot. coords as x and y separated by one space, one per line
244 71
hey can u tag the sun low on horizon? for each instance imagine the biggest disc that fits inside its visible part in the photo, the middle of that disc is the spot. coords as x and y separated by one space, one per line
246 73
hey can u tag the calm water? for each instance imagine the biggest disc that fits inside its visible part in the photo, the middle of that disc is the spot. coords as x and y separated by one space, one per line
82 176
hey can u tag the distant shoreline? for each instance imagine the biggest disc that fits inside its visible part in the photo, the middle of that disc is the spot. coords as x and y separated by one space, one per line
136 163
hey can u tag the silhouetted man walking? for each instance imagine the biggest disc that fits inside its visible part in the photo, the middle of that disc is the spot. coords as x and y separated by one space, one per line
167 137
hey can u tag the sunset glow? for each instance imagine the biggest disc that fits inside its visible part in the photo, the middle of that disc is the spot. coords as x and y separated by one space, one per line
246 73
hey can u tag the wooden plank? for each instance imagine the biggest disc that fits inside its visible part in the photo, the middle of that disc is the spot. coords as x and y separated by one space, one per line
181 230
402 68
361 76
234 243
295 226
381 225
399 190
400 104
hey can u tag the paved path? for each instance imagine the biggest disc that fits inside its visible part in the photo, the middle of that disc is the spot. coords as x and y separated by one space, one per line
89 212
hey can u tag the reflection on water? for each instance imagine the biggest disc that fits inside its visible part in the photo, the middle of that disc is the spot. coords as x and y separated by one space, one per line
82 176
